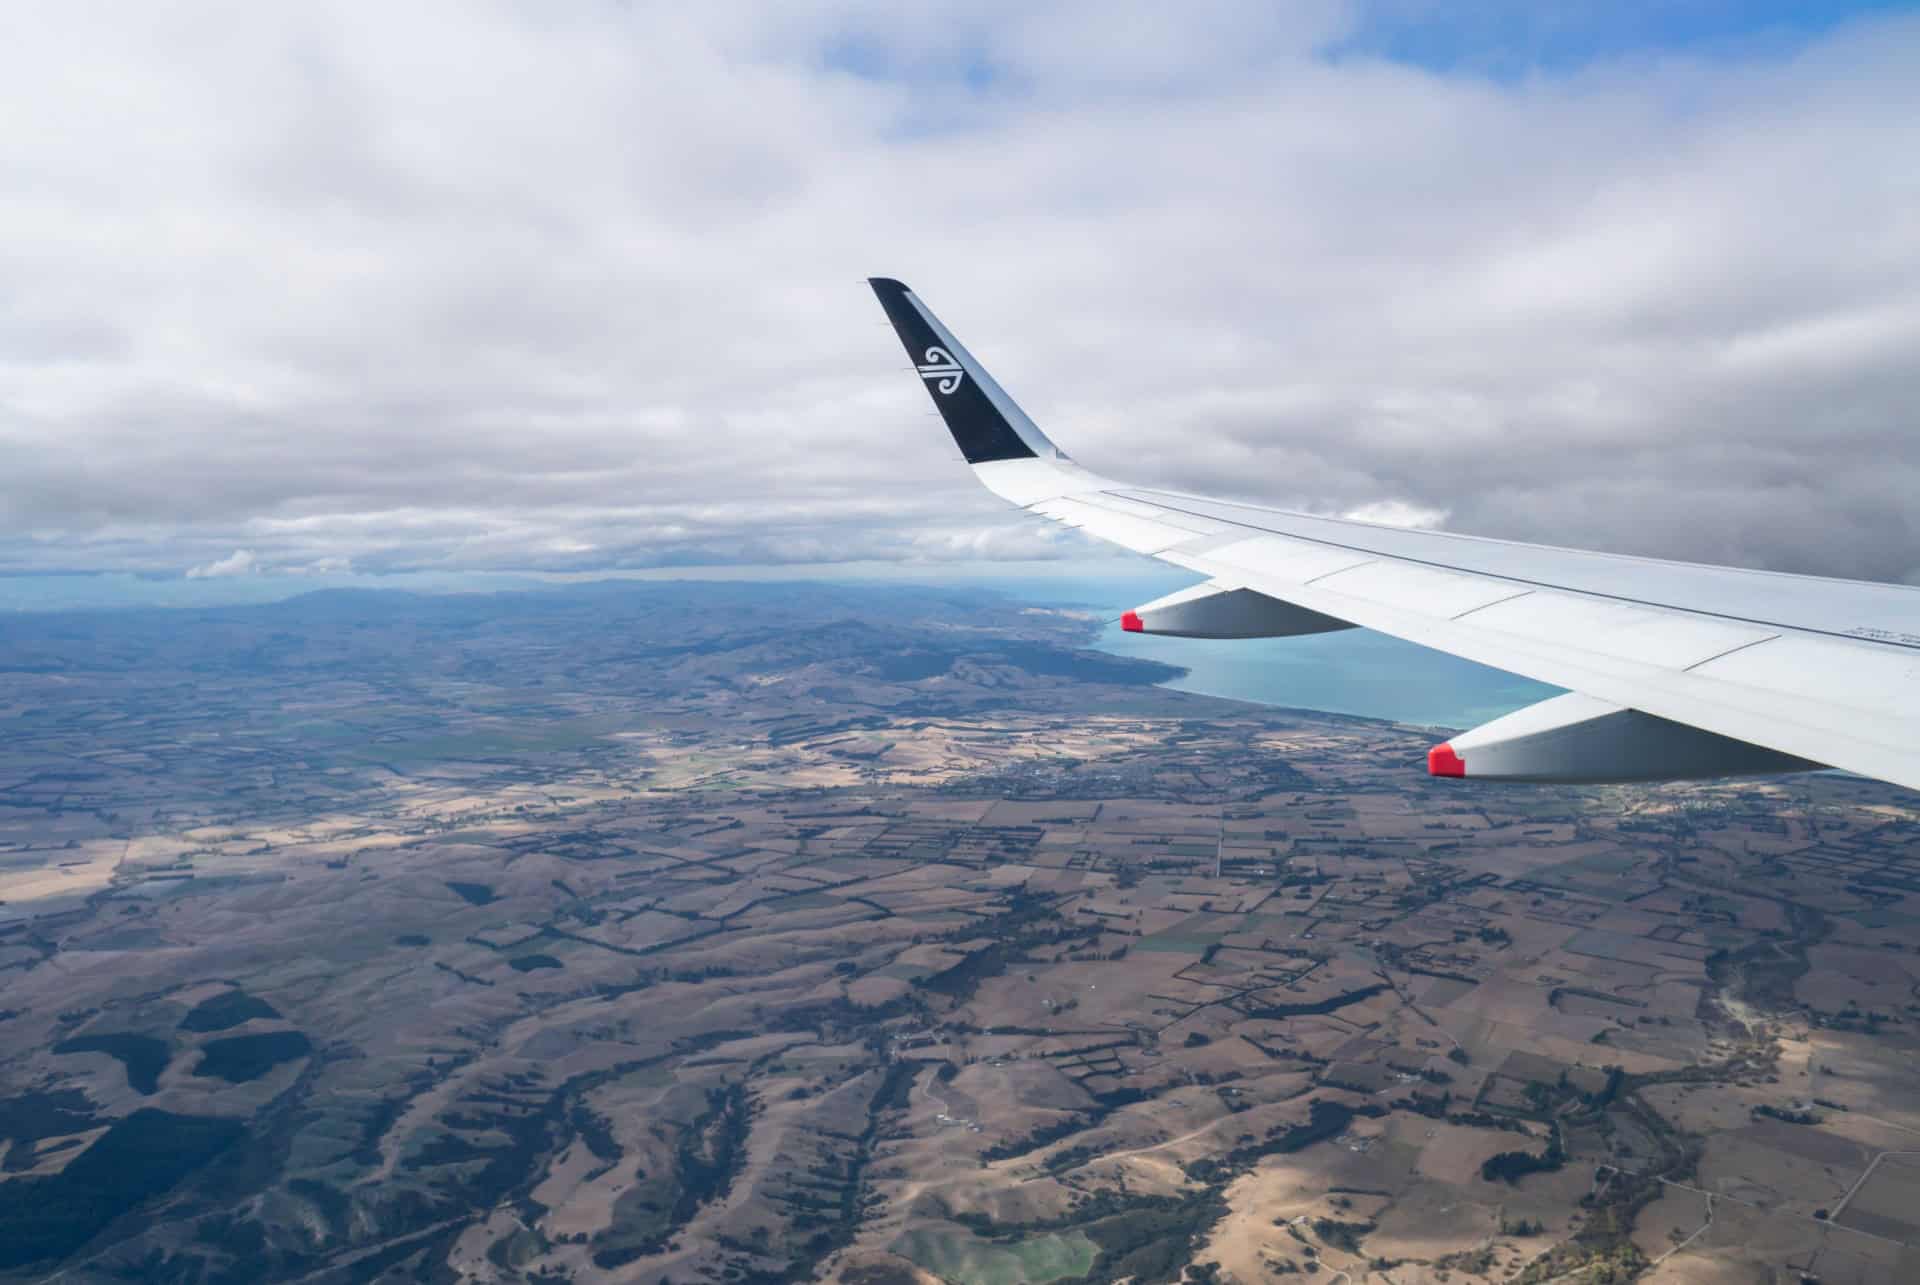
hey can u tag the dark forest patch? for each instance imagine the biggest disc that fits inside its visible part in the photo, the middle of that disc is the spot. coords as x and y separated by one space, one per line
27 1119
239 1058
962 979
143 1055
1084 666
915 664
1333 1003
225 1010
139 1157
474 894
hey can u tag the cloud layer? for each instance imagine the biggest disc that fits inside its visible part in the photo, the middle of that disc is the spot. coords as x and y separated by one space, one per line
459 286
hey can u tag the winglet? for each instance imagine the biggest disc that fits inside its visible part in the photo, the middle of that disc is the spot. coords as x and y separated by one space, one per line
984 421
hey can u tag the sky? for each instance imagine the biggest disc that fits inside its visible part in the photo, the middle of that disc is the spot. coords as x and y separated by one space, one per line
420 293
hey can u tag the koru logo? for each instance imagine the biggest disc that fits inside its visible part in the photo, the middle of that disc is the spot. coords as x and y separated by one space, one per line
941 370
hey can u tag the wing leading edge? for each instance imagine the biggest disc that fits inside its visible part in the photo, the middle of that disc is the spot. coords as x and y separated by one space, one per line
1681 670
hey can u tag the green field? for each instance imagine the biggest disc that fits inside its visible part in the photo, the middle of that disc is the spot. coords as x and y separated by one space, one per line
806 901
1180 943
1193 934
968 1260
495 742
649 1077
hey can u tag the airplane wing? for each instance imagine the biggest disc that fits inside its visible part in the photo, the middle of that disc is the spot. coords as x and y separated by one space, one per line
1674 670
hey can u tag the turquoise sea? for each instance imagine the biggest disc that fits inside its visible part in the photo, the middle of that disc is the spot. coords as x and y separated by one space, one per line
1351 672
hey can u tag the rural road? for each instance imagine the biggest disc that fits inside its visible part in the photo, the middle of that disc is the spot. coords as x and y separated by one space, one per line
1862 1181
1188 1136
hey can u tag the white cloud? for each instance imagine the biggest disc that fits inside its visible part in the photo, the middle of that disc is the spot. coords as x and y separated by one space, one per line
445 286
240 562
1396 513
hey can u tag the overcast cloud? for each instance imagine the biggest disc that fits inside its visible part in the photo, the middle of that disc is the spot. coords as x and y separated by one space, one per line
297 289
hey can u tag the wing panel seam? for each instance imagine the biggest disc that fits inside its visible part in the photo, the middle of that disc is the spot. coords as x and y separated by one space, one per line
1496 602
1341 571
1751 642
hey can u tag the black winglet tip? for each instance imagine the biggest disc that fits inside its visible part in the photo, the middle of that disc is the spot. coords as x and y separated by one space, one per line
887 285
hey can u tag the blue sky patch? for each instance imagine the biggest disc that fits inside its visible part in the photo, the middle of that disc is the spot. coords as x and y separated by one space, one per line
1508 39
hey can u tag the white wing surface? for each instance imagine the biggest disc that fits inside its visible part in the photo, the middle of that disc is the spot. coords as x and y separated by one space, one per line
1681 670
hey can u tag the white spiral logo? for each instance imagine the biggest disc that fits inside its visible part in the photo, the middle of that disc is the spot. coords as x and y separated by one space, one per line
941 370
